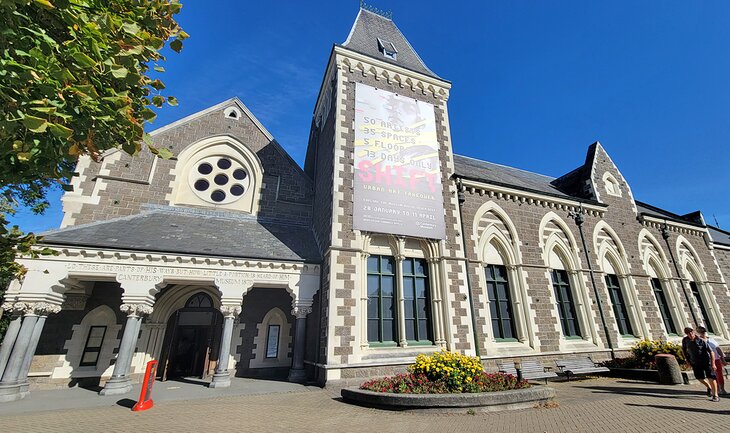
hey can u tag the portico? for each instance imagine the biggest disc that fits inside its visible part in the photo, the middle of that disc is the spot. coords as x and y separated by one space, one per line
149 292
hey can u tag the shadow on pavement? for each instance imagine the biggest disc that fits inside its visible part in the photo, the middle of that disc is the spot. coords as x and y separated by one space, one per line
692 409
647 391
126 402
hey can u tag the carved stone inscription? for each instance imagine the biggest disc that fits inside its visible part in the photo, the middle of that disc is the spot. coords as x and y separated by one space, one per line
155 274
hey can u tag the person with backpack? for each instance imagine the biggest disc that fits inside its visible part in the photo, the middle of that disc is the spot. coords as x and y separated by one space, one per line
701 358
719 358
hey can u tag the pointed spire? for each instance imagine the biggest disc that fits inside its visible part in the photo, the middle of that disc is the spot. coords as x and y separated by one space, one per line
374 34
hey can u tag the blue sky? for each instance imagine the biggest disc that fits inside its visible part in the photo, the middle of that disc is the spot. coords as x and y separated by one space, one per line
534 82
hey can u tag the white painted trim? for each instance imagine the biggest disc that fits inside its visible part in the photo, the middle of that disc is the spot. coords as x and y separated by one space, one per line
526 196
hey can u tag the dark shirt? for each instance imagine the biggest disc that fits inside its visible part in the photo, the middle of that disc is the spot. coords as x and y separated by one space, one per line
698 352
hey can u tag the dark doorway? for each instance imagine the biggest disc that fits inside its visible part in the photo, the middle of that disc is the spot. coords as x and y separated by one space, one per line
192 340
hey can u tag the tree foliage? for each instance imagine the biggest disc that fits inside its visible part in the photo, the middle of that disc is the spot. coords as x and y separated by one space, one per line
76 77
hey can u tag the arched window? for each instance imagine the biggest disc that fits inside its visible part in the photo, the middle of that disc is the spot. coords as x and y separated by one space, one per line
655 265
399 290
499 293
699 287
501 279
568 291
565 303
703 308
662 300
199 300
614 265
381 300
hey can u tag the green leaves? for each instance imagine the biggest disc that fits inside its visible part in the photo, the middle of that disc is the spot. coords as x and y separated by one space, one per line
74 80
131 28
83 60
119 72
176 45
35 124
60 131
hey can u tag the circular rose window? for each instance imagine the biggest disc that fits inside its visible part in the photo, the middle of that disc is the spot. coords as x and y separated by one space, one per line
218 179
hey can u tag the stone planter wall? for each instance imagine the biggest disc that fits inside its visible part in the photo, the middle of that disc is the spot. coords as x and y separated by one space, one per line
479 402
645 375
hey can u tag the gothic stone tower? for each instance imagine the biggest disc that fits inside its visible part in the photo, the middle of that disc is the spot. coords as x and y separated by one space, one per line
386 213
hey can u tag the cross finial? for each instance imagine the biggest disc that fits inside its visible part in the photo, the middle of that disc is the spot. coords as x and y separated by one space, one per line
373 9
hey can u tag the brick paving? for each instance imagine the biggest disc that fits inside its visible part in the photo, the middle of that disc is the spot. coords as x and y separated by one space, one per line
597 405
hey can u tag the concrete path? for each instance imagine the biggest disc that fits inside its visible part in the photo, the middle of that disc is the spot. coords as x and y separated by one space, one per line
586 406
79 398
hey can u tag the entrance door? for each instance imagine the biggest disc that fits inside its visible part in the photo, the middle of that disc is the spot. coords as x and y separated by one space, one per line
192 340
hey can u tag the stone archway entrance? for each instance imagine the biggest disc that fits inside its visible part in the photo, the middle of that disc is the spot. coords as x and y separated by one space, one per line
192 340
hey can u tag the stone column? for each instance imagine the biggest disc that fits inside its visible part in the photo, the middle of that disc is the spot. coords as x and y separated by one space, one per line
41 309
10 335
9 385
120 382
222 377
400 307
297 372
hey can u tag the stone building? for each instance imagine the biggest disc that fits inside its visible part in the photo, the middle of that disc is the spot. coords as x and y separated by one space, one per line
230 260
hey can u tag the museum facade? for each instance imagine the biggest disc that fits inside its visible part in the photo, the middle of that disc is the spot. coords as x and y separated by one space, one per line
229 259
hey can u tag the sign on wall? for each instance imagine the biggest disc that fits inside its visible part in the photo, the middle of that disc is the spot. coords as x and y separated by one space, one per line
397 184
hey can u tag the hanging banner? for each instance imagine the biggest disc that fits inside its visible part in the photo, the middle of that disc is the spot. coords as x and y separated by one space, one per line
397 187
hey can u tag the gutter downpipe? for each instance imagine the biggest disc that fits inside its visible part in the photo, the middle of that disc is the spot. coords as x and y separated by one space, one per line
579 220
462 199
665 235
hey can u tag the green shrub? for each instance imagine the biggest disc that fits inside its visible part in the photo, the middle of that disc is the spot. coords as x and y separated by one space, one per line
645 350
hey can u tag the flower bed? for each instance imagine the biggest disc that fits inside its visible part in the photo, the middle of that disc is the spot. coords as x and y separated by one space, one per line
410 383
641 365
643 353
448 381
443 373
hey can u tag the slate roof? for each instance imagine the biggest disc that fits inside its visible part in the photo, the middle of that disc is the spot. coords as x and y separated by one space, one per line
165 229
497 174
363 38
719 236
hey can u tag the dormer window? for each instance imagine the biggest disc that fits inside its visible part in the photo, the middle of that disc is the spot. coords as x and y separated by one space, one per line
232 113
611 184
388 49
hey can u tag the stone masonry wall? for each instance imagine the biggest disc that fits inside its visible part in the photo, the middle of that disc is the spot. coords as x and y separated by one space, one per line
286 194
345 263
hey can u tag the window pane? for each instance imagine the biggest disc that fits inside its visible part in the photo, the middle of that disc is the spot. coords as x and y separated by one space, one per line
408 290
422 309
388 312
373 308
387 265
373 330
421 287
388 330
386 285
423 330
502 291
504 310
373 264
421 267
407 267
373 285
90 358
408 314
410 329
507 327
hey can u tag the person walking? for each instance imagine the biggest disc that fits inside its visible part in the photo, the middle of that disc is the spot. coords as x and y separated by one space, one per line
719 359
701 358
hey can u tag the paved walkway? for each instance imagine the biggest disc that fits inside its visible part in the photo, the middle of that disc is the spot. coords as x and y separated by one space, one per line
598 405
